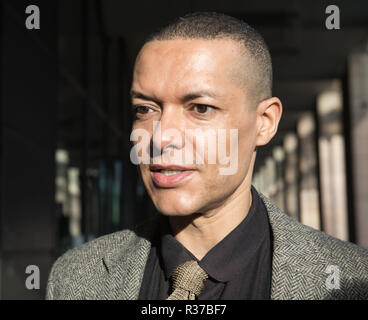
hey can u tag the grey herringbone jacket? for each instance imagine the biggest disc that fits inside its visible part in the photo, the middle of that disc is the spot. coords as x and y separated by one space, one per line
112 266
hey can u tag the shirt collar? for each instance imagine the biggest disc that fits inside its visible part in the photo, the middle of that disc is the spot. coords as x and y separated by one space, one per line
231 255
172 252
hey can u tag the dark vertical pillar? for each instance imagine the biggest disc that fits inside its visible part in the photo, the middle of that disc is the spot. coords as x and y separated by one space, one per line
348 158
358 109
84 118
318 168
28 88
130 207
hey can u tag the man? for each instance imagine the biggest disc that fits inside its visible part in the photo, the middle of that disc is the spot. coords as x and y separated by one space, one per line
216 237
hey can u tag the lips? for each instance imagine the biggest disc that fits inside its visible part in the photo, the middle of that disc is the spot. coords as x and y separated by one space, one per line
169 176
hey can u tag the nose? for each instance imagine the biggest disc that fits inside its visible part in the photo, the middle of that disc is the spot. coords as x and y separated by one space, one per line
168 132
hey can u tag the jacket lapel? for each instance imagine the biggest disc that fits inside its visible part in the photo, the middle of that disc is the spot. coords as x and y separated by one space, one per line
294 262
298 263
280 270
126 263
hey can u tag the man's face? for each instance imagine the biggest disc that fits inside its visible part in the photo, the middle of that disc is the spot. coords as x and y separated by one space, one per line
192 84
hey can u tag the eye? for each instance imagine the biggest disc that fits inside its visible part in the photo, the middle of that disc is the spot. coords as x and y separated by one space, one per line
142 109
202 108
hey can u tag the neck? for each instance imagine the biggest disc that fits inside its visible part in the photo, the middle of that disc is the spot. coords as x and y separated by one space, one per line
199 233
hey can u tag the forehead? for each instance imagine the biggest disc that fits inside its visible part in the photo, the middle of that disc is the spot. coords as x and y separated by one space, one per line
180 64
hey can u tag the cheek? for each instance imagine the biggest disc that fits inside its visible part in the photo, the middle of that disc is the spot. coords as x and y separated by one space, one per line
236 146
248 133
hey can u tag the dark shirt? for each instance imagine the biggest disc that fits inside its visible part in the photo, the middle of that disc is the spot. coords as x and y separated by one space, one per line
239 266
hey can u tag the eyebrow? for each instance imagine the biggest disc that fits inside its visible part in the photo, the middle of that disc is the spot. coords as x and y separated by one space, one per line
139 95
185 98
199 94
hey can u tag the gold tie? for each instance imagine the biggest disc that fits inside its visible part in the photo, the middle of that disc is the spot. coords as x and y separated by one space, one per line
187 281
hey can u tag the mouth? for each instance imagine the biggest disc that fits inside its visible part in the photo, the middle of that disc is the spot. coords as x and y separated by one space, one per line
169 176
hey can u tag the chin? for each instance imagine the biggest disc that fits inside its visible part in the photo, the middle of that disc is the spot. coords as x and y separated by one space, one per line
173 202
169 211
173 207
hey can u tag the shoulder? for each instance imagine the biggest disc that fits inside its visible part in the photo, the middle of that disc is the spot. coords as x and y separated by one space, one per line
294 233
89 262
75 266
308 256
93 250
341 265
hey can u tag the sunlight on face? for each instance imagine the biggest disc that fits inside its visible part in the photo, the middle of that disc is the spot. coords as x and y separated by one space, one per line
189 85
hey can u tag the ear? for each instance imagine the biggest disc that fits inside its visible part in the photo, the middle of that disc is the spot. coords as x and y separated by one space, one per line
269 113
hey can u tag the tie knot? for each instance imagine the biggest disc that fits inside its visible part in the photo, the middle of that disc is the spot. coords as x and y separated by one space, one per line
189 276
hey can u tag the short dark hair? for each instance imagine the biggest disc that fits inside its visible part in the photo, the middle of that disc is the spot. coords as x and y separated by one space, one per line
213 25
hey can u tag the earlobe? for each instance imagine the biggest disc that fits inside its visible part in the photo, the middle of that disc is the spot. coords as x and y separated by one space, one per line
270 111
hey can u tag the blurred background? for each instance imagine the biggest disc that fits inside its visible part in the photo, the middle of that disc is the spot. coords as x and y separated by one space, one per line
65 172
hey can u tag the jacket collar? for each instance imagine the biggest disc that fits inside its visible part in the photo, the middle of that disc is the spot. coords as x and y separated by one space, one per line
299 260
294 258
125 262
